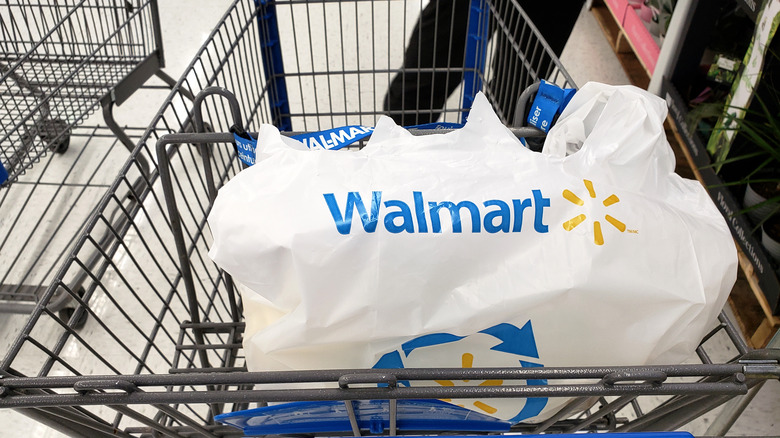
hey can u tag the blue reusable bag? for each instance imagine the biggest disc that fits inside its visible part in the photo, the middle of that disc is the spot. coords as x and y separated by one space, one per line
373 415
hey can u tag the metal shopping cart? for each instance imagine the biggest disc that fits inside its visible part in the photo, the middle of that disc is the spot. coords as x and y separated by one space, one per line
59 62
161 353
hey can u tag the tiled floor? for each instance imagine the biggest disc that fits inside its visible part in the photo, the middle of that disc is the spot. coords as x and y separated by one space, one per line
186 25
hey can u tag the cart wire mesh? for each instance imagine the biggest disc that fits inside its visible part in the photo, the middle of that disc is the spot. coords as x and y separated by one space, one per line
58 60
46 209
161 351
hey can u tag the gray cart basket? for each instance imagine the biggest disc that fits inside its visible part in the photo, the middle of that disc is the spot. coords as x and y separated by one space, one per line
161 352
59 62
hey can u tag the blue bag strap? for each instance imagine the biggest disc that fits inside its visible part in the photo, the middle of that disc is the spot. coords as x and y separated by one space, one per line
245 145
549 103
436 126
336 138
331 139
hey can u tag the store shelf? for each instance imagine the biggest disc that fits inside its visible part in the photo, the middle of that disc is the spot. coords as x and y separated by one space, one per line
757 315
633 44
644 45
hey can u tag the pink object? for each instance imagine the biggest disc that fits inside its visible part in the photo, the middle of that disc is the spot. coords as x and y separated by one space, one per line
643 43
618 8
703 96
646 13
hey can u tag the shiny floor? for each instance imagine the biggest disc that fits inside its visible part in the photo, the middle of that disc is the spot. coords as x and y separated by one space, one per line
186 25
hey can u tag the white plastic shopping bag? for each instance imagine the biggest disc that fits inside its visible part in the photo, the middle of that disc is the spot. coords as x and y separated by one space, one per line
467 250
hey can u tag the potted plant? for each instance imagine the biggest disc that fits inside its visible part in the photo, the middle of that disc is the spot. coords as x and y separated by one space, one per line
765 134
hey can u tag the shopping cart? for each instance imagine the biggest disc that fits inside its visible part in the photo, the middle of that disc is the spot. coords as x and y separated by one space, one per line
59 62
161 352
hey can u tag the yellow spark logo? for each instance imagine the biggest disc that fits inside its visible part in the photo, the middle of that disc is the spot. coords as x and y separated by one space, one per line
468 361
572 223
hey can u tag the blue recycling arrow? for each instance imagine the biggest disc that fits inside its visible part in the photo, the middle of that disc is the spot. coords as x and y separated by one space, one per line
514 340
428 340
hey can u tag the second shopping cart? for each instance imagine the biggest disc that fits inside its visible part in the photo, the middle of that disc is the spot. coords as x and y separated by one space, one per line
60 62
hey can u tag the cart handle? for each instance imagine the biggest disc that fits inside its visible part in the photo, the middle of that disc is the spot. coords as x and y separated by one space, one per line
373 378
654 377
197 112
86 386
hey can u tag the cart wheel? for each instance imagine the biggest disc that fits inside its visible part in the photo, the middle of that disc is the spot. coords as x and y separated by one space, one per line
62 145
67 312
58 129
27 139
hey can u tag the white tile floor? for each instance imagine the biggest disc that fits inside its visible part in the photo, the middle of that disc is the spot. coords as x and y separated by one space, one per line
186 25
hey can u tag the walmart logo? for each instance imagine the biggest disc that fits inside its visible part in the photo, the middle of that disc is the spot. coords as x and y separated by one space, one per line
467 361
598 235
461 216
502 345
